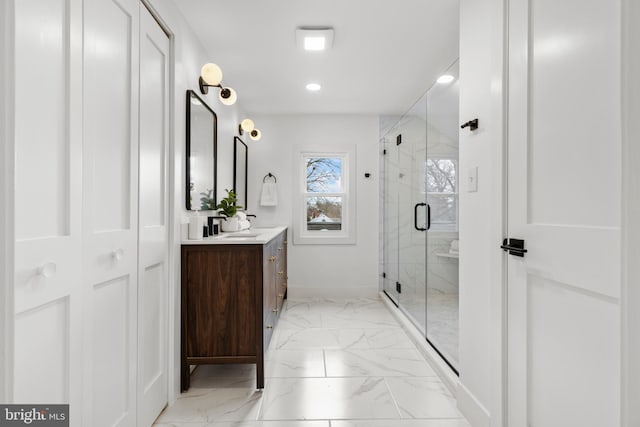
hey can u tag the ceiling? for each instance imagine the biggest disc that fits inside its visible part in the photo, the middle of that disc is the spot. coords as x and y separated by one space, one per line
385 53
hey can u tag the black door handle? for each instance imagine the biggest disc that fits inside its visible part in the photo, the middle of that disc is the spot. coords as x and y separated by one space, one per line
514 247
415 217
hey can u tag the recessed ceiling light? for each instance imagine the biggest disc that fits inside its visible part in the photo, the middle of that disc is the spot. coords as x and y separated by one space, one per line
313 87
314 38
445 78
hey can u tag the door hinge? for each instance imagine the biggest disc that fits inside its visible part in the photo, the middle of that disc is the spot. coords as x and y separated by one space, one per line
399 139
384 152
384 275
398 287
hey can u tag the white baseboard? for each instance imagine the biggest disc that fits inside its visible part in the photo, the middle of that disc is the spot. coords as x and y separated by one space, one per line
447 376
295 292
471 408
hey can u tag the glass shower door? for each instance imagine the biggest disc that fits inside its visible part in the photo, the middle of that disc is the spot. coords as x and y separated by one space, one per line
442 178
390 224
412 258
405 214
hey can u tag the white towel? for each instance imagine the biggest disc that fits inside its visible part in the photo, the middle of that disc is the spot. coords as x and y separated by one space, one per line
244 224
241 215
269 195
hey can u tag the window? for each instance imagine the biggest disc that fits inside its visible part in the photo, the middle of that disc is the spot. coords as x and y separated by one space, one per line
325 193
324 210
442 193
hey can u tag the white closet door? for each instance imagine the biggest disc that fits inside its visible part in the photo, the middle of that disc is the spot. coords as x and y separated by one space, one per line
564 201
153 216
48 98
110 217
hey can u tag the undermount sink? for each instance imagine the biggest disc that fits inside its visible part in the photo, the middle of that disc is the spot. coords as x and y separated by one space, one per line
243 236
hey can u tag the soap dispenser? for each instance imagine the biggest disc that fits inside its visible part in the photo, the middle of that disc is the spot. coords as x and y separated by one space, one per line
195 226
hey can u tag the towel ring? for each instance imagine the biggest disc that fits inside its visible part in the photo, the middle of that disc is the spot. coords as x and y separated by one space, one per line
269 176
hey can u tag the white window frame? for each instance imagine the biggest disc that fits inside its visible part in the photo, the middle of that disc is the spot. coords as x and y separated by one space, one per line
451 227
347 234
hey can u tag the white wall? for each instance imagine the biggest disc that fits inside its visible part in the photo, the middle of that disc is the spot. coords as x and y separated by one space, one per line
481 214
339 270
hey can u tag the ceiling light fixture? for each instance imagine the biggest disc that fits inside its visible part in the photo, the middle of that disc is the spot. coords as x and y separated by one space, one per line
314 38
314 43
445 78
211 76
313 87
247 125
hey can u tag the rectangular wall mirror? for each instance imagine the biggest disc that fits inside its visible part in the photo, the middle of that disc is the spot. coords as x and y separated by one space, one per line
240 162
201 154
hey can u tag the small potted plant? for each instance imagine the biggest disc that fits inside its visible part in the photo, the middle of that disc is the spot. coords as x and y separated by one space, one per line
228 208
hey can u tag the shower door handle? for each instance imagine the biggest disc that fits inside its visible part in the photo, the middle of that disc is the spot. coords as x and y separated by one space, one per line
415 217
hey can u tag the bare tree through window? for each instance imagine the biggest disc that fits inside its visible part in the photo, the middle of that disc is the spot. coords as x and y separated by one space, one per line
324 189
442 190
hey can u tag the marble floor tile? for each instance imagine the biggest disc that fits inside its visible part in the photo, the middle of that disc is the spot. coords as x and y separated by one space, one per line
224 376
388 363
251 424
208 405
225 371
300 314
294 363
394 338
327 398
297 339
401 423
330 363
293 320
358 316
422 398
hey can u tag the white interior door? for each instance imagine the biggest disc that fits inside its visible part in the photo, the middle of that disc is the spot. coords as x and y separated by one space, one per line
153 217
48 203
110 218
564 201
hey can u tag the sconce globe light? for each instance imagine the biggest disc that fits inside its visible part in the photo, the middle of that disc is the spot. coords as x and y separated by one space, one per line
211 76
255 135
247 125
227 96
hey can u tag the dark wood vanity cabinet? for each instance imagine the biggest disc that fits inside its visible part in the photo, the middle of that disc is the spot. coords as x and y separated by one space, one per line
232 295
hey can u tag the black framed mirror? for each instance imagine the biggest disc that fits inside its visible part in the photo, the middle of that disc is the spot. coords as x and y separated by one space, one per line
240 163
201 154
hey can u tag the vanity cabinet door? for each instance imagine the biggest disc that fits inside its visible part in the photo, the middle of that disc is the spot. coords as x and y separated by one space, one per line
219 296
269 291
281 272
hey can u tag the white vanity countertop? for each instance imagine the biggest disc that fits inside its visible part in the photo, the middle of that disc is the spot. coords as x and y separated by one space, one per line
252 236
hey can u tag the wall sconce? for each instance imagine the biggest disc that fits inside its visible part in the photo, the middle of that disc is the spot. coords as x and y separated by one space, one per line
247 125
211 76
